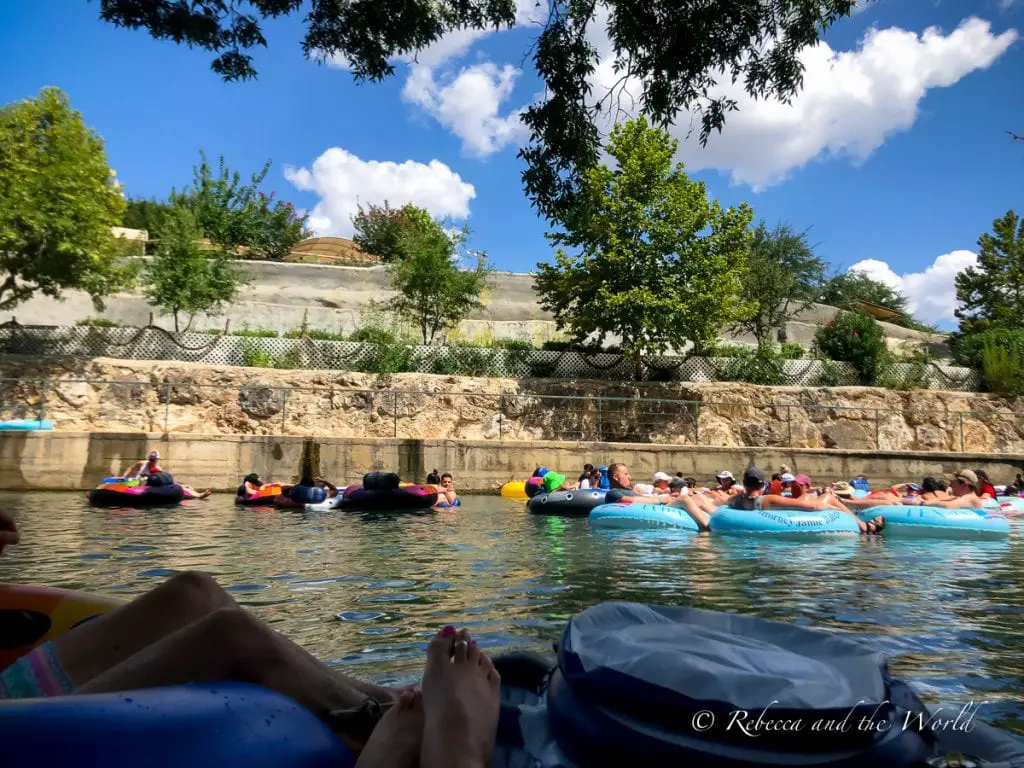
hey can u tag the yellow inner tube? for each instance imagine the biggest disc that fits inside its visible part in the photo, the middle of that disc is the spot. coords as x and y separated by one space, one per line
514 490
35 615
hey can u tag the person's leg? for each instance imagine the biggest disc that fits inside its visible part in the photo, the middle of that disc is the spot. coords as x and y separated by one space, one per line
186 598
396 742
694 510
106 641
461 701
830 500
232 644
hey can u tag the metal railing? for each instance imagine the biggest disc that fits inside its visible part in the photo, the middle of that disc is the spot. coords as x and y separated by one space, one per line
262 408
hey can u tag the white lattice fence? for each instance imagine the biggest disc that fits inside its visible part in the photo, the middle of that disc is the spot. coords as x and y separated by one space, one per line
157 344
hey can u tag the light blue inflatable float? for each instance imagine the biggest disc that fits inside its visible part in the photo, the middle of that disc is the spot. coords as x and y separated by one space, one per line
783 522
26 425
938 522
641 516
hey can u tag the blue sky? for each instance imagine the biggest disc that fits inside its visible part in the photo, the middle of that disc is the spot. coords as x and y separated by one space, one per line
895 155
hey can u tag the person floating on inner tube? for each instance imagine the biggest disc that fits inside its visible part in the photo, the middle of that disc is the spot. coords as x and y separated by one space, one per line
446 495
148 466
251 486
698 507
754 498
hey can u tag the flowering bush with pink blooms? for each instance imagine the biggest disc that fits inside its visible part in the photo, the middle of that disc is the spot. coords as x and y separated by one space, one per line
858 339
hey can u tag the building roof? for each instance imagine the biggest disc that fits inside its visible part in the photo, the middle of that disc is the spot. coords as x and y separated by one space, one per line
876 311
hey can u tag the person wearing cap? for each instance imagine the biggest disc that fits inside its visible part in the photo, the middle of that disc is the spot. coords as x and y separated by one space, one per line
754 498
144 467
661 482
726 483
699 508
964 487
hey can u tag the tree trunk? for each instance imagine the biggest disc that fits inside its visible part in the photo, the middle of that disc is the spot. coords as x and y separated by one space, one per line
176 321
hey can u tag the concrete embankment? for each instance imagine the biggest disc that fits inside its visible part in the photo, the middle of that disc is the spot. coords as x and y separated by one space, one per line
78 460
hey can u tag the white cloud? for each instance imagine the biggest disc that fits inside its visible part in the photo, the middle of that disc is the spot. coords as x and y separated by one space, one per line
851 101
469 105
931 293
469 102
343 180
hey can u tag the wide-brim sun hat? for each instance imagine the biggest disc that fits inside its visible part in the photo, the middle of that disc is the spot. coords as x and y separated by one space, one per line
553 481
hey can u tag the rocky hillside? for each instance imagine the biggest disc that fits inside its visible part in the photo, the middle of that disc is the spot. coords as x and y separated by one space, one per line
118 395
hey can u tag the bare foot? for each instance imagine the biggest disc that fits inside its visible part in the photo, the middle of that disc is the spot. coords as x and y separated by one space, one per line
205 494
461 699
397 739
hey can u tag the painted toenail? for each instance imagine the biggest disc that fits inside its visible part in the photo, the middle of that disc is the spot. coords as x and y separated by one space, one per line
448 631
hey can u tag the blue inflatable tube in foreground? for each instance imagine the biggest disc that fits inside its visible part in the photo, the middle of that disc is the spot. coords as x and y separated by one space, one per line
218 724
641 516
786 522
938 522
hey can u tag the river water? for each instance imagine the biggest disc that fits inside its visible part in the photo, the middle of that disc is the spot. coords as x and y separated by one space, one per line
364 594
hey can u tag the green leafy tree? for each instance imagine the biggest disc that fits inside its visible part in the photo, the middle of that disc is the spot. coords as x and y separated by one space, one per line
379 229
432 292
991 295
58 202
783 278
658 264
237 217
845 289
183 279
146 214
677 51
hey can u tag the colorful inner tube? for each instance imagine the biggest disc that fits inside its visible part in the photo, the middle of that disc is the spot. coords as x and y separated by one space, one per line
937 522
787 522
514 490
265 498
575 503
124 495
641 516
31 616
408 498
211 724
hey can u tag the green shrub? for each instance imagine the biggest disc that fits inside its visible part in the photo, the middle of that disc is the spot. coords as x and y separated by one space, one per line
1002 370
968 350
858 339
100 322
754 366
831 375
792 352
317 334
254 356
728 350
256 333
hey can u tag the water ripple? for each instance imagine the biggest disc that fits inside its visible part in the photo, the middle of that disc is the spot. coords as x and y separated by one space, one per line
368 592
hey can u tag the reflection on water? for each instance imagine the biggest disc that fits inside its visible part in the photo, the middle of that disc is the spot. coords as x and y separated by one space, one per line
368 592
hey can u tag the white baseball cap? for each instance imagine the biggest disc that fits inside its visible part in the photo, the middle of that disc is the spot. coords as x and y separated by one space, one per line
725 474
154 454
661 476
788 478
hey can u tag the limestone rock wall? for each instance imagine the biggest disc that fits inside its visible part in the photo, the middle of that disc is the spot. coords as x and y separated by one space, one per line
118 395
